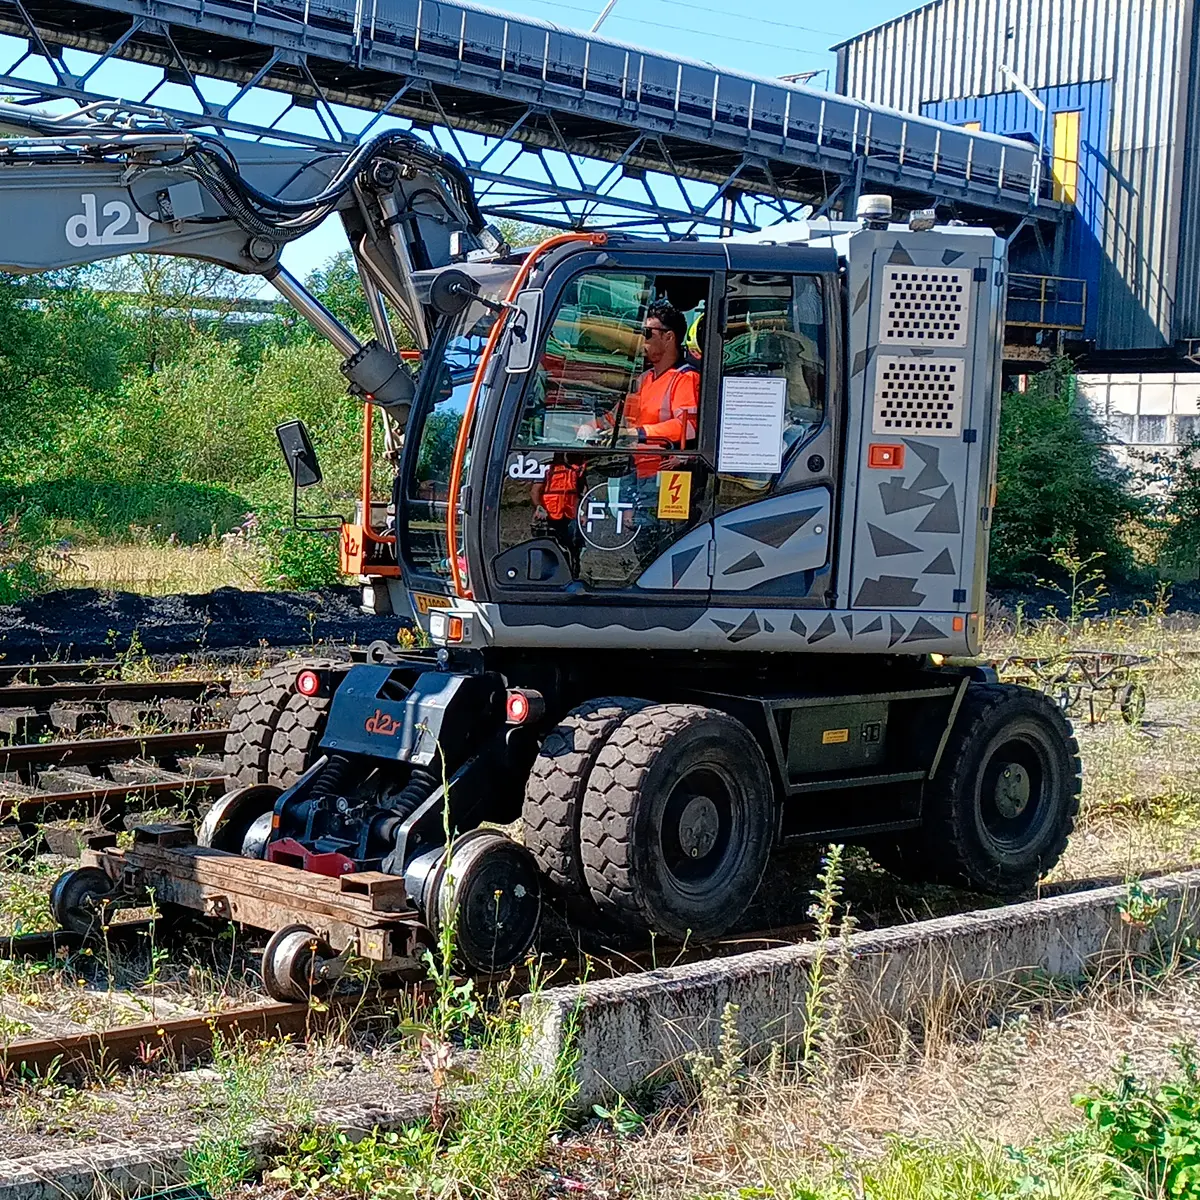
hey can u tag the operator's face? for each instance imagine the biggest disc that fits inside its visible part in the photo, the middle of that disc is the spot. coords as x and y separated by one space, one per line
660 343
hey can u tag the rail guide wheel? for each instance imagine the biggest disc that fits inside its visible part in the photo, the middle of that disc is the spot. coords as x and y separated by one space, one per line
80 900
488 886
296 965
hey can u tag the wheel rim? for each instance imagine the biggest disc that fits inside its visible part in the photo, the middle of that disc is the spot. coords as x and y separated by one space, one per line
701 826
1015 794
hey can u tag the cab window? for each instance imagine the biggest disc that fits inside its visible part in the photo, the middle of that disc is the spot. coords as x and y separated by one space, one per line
774 329
602 474
593 360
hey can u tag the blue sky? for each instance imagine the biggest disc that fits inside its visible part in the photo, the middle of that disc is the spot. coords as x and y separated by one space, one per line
771 37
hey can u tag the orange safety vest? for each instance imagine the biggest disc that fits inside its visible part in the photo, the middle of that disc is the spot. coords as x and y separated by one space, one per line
560 490
665 409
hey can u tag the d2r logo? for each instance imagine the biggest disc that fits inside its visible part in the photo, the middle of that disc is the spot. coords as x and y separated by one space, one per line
382 724
124 228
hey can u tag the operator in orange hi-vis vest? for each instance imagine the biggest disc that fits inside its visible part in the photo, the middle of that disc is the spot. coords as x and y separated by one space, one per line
662 412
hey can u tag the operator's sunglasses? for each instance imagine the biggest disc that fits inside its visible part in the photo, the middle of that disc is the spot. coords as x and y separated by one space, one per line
648 331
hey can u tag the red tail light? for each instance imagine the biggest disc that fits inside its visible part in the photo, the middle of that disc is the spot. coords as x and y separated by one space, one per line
521 706
308 683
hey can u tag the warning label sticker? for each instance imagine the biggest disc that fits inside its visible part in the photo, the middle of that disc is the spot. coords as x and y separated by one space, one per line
674 495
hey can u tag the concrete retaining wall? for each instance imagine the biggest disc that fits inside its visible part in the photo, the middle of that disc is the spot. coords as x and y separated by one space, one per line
108 1171
634 1027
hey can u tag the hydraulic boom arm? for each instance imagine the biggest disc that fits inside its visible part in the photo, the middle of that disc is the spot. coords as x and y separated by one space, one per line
112 179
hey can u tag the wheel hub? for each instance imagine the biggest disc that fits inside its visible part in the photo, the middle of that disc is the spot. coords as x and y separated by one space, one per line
1013 790
699 826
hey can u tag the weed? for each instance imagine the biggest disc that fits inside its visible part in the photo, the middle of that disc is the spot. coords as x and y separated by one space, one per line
623 1119
817 1002
248 1091
721 1078
1151 1134
1140 908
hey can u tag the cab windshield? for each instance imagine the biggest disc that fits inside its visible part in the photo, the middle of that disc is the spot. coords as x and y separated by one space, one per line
438 418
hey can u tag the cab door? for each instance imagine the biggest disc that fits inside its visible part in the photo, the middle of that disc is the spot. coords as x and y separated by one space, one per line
778 443
582 507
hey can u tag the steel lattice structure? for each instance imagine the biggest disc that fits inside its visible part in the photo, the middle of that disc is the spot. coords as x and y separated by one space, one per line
556 128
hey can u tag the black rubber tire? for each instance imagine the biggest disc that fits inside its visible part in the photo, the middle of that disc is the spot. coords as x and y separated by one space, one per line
554 791
252 728
627 830
998 723
296 738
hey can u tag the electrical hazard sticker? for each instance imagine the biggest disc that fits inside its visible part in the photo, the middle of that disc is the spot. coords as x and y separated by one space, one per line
834 737
674 495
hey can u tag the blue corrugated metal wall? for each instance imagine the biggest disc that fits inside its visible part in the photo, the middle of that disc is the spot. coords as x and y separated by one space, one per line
1011 114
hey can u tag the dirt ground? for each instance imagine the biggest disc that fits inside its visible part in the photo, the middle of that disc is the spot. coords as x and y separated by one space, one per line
85 623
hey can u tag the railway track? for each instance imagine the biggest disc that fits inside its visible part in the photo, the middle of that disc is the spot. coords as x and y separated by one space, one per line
96 768
183 1036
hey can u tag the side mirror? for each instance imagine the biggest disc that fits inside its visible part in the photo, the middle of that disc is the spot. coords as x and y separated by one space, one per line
451 291
523 330
298 453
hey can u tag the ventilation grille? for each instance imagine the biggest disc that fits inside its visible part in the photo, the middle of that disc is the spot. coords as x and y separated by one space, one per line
921 396
924 307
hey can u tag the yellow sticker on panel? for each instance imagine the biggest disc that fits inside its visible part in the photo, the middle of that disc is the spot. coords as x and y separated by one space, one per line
831 737
674 495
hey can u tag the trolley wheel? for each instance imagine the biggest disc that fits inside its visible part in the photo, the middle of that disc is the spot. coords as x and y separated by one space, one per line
1003 803
1133 703
291 964
489 887
554 792
677 822
78 899
227 824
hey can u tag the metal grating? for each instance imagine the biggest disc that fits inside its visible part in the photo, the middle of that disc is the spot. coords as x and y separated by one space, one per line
924 307
918 396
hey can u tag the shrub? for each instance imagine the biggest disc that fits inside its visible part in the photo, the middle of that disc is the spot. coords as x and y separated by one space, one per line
24 543
97 509
1151 1133
1057 484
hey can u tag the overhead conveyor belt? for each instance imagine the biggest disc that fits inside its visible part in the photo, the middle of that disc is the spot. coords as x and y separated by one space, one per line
462 68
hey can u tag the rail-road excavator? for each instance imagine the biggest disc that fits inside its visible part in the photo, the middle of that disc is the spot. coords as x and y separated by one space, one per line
650 659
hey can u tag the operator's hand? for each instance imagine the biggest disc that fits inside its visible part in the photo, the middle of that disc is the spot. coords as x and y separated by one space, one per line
587 433
628 436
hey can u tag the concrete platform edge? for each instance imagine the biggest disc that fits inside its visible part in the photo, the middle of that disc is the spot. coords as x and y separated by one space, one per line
630 1029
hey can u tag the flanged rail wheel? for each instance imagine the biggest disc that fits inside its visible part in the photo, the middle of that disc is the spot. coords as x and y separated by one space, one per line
1133 702
677 821
292 964
553 806
228 823
79 900
1003 803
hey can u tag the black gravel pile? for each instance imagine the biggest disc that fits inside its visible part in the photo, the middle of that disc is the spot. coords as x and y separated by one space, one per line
85 623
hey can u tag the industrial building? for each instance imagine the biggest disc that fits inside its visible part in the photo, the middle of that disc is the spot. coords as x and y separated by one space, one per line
1109 91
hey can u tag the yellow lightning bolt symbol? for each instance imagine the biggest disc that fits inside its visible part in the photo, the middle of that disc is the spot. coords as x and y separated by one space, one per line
675 487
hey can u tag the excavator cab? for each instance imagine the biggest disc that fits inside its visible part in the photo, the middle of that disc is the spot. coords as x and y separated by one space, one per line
563 503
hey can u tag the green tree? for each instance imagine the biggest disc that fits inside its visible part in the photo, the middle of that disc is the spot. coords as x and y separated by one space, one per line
61 349
1057 484
166 301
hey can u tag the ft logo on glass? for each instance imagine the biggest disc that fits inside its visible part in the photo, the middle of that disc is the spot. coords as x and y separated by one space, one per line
606 521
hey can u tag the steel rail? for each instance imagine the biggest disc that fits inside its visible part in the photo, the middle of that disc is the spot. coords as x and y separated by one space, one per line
56 672
96 751
52 806
39 695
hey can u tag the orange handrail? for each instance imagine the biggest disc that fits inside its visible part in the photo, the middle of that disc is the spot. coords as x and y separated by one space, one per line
460 445
368 532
